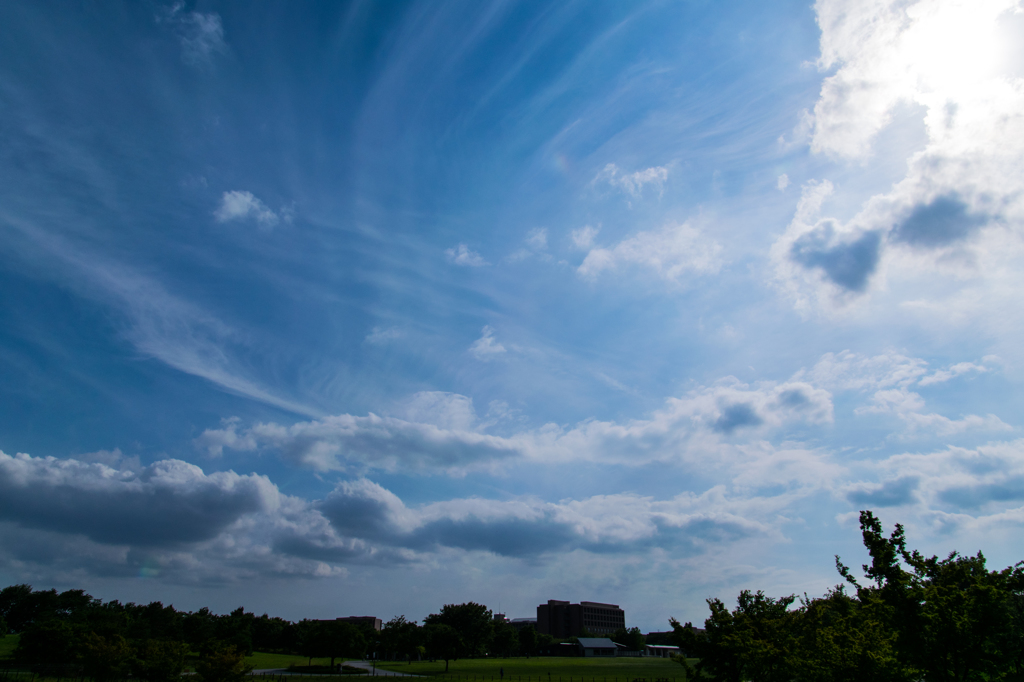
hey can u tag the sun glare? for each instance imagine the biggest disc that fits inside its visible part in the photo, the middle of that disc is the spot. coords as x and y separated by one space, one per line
953 47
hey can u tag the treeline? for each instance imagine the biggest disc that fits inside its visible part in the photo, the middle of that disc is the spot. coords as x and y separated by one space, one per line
75 634
916 618
72 633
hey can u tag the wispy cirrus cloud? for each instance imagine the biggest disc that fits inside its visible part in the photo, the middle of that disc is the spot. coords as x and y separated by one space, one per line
201 34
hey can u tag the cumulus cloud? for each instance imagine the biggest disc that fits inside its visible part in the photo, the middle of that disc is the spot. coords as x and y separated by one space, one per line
240 205
463 255
529 527
166 503
66 517
173 521
441 432
673 252
783 182
633 183
956 481
486 347
201 34
889 378
962 194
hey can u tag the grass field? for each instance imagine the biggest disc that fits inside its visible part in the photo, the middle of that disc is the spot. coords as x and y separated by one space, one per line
264 661
543 669
7 645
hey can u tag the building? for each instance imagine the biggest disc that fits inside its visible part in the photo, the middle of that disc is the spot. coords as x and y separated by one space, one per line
597 646
662 650
520 623
563 620
361 621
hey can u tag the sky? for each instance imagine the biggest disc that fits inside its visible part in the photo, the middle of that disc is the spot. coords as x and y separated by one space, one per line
362 308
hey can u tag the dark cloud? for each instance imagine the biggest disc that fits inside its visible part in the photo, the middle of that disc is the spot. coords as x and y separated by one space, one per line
889 494
167 503
944 220
508 537
736 416
972 497
364 510
847 264
794 398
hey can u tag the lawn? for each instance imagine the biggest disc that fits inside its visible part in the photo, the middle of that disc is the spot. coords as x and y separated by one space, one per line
545 669
7 645
263 661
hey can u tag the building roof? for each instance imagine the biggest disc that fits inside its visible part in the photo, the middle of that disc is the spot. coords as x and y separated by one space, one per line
596 643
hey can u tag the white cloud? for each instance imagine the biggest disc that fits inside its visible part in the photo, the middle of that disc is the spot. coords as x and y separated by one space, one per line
974 483
673 252
583 238
537 238
462 255
890 377
852 371
486 346
536 245
633 183
440 432
445 410
783 182
959 211
240 205
943 375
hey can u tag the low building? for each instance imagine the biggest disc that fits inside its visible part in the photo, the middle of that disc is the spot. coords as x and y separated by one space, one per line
563 620
597 646
661 650
361 621
520 623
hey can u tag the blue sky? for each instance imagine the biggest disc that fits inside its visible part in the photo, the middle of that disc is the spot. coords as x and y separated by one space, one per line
371 307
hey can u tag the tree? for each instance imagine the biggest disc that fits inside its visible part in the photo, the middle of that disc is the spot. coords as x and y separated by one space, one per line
312 639
399 637
158 660
632 638
222 663
505 641
950 616
841 641
528 640
343 640
52 642
103 658
753 642
442 642
473 623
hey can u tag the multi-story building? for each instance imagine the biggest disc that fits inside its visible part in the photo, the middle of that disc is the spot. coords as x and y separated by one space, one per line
561 619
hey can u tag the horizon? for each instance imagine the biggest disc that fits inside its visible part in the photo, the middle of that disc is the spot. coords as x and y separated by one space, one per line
343 308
